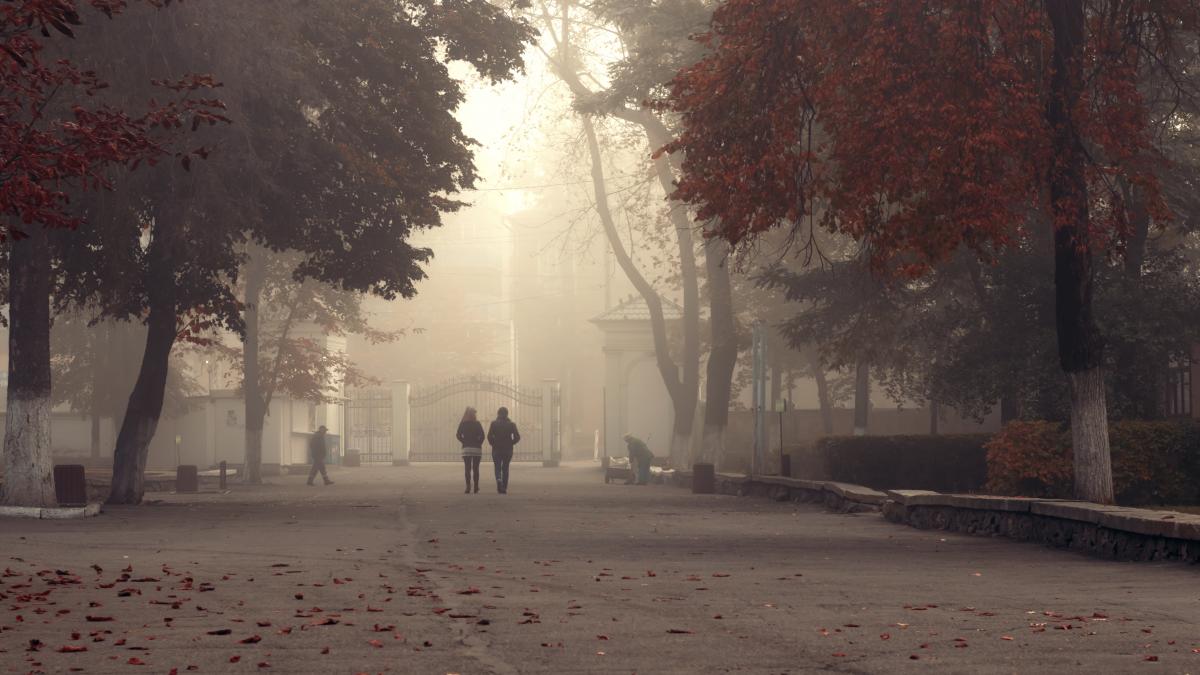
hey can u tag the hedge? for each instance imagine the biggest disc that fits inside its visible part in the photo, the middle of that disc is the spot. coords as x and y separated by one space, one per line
949 463
1153 462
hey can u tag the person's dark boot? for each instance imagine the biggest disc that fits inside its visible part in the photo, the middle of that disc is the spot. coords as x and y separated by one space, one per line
468 490
329 482
477 488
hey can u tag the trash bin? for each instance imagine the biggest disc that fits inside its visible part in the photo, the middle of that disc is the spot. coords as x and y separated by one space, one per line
187 478
351 458
70 485
704 479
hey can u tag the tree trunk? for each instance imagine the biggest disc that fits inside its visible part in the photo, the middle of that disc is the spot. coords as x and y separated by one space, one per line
146 401
862 397
683 401
28 464
934 413
99 346
722 358
689 393
256 409
824 398
1080 349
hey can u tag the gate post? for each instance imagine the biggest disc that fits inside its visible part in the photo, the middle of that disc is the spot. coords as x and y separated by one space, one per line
400 423
551 423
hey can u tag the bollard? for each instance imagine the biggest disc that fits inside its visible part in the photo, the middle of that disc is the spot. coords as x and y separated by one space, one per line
187 478
70 485
704 479
785 466
224 483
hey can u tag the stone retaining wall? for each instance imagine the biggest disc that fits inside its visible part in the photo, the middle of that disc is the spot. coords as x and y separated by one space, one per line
840 497
1112 532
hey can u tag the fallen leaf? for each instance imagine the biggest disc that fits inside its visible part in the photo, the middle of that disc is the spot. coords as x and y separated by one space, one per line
72 649
680 631
252 640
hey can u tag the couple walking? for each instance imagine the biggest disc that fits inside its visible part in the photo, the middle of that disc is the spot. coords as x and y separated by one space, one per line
502 435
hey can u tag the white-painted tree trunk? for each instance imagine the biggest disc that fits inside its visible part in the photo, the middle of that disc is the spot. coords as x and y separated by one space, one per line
1089 437
712 446
681 450
28 467
28 464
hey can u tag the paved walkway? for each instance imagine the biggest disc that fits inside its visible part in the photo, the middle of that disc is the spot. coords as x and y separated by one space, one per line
395 570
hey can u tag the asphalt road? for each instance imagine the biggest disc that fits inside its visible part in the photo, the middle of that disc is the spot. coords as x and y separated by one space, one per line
395 570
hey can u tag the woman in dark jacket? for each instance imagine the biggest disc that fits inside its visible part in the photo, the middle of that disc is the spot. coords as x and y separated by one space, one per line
470 434
502 435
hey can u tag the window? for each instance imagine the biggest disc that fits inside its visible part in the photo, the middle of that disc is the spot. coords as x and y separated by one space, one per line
1179 390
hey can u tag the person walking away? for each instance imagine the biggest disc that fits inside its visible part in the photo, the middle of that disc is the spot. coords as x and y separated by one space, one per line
317 452
470 434
502 436
640 458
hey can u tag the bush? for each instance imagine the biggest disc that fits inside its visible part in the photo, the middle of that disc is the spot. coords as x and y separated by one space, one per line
953 463
1153 462
1031 459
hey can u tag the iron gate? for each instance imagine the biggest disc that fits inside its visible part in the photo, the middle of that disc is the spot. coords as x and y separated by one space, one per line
369 425
436 411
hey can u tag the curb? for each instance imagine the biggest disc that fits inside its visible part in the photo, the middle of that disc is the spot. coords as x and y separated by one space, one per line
51 512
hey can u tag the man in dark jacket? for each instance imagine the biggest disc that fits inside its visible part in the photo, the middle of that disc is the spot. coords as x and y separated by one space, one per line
317 453
640 458
502 436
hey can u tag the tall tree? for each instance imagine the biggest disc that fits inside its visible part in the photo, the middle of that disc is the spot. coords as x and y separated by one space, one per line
345 143
276 356
1005 108
56 136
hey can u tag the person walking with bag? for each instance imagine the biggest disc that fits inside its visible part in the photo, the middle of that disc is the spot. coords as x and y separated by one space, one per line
502 436
470 434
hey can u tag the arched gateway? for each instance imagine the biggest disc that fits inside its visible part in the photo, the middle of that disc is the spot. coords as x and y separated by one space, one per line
404 424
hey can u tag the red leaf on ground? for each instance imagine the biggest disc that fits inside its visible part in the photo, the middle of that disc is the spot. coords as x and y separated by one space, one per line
1151 657
839 654
298 596
252 640
135 661
720 575
221 631
264 664
72 649
680 631
601 637
235 659
1006 637
375 643
263 624
885 636
325 650
97 619
471 590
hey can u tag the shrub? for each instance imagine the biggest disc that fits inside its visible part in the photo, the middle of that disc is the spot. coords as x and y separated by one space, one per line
952 463
1153 462
1031 459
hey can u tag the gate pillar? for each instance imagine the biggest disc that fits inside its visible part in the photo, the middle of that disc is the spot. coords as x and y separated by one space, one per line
551 422
400 423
